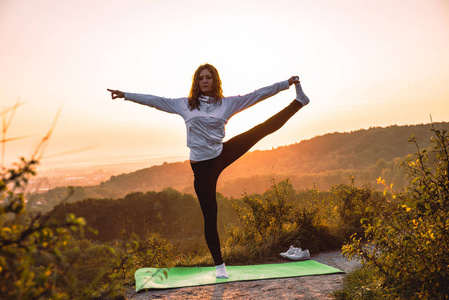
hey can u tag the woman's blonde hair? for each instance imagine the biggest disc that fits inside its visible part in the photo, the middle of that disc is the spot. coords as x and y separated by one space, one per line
195 91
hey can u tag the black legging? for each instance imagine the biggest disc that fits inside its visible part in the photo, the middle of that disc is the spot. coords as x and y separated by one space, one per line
206 172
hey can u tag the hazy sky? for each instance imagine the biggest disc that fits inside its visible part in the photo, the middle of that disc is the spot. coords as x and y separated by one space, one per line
362 64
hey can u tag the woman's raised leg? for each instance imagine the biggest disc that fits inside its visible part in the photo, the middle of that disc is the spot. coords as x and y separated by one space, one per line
240 144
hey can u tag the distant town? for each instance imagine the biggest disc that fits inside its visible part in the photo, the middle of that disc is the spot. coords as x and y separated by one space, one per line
82 175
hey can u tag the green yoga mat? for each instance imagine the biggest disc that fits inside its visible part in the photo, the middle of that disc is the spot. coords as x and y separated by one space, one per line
153 278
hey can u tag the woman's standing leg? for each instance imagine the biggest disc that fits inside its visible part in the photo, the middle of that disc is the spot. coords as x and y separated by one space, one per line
205 184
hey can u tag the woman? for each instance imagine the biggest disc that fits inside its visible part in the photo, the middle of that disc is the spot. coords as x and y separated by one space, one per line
206 112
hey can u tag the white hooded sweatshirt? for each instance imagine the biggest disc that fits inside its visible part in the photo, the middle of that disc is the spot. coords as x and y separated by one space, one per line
205 126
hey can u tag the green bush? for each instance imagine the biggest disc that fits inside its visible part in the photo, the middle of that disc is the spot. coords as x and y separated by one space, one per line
356 205
270 225
409 249
362 283
106 271
41 259
24 243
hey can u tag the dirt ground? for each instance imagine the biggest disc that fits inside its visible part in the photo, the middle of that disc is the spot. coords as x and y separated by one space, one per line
306 287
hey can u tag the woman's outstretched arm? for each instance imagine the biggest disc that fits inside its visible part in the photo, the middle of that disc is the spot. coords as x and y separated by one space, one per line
164 104
239 103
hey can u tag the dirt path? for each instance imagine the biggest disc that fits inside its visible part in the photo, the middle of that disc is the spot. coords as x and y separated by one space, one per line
306 287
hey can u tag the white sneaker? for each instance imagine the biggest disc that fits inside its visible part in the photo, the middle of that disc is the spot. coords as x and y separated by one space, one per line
299 255
289 252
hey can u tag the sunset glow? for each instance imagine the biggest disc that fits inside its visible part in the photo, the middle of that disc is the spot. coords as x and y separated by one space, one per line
362 64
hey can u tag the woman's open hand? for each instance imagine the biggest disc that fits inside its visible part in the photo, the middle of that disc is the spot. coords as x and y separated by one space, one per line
116 94
293 79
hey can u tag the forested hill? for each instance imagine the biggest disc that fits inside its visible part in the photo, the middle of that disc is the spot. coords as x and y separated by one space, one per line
323 160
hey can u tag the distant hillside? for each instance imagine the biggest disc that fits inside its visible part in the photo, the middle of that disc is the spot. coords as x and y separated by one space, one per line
323 160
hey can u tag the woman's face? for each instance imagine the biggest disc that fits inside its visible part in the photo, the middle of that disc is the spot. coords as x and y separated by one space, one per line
206 83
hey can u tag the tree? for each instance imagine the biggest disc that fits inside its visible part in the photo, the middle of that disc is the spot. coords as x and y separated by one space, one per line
409 250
